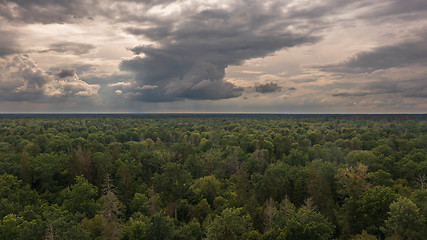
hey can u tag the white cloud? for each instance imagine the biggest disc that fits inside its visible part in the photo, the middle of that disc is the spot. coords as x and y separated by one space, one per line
120 84
22 79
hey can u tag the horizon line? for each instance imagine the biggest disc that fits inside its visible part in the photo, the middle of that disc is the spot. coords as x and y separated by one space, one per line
205 113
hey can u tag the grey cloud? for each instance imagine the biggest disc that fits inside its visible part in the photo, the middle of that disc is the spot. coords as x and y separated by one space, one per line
190 62
70 47
415 88
105 79
351 94
8 43
268 88
54 11
66 73
394 70
317 10
60 11
45 11
79 69
396 10
153 33
385 57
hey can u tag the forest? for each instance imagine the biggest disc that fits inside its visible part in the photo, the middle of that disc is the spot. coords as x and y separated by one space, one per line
213 176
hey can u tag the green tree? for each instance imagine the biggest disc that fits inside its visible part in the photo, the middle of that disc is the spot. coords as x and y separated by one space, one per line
276 182
320 178
9 226
206 187
200 210
173 183
160 228
364 236
111 211
352 181
14 195
189 231
50 172
404 221
374 206
80 197
308 224
136 228
139 203
237 224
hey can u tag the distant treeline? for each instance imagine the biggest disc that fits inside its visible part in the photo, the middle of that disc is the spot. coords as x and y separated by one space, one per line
211 176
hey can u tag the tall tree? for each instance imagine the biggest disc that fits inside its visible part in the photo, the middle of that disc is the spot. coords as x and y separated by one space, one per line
111 211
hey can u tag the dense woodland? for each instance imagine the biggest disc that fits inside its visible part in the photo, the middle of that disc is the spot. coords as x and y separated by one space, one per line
213 177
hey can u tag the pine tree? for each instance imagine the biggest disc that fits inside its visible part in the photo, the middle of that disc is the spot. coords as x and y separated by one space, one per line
111 211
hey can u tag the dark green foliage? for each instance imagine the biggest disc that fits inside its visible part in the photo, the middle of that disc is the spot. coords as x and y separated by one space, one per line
404 220
80 198
308 224
160 228
232 224
213 177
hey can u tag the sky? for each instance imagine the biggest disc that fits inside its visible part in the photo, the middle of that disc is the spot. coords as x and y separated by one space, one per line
210 56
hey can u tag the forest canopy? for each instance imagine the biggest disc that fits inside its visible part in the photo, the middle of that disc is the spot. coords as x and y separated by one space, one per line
213 177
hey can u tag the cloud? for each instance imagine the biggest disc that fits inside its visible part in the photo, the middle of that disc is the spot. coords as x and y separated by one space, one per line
70 86
45 11
268 88
8 43
153 33
22 80
109 79
189 60
414 88
59 11
384 57
66 73
79 68
69 47
396 10
186 47
392 71
119 84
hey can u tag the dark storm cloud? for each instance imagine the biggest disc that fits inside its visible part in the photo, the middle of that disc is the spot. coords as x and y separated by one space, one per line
69 47
190 62
194 44
45 11
268 88
66 73
8 43
62 11
385 57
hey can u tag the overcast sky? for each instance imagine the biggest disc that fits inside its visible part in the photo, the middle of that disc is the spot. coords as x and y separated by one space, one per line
269 56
